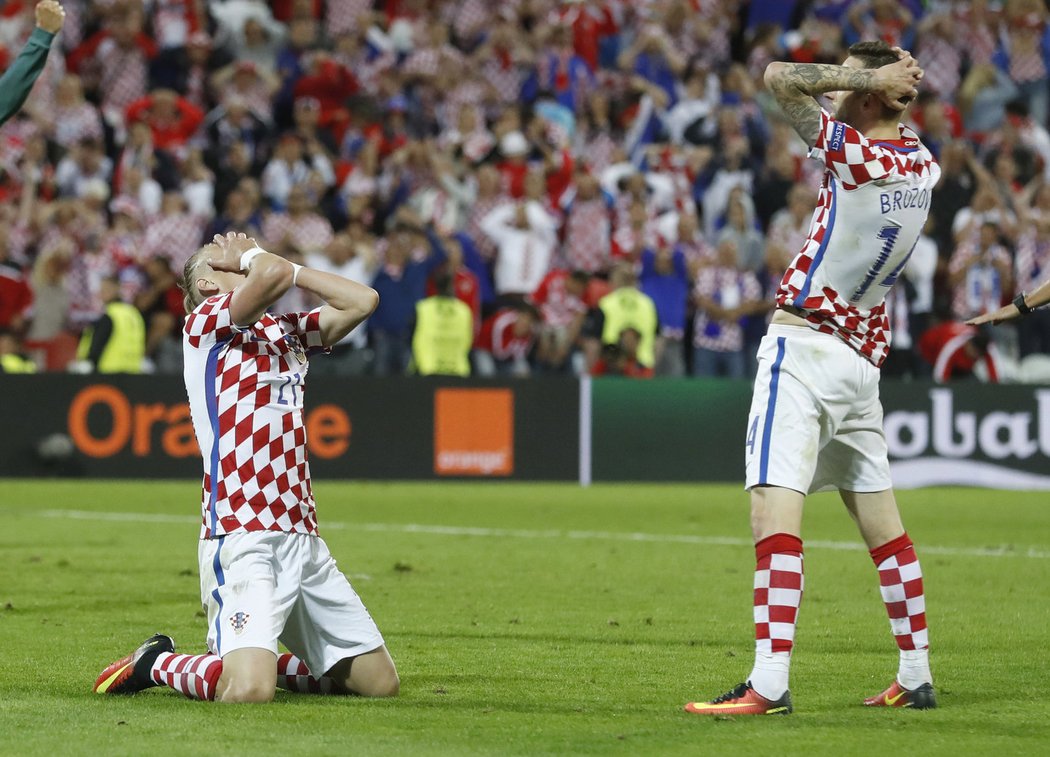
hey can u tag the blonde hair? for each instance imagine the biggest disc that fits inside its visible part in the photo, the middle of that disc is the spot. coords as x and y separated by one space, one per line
192 296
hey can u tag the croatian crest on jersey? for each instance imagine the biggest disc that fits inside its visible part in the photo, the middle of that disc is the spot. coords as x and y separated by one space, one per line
239 620
295 346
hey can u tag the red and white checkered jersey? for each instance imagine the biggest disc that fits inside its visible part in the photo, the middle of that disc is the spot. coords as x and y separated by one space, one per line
245 386
873 204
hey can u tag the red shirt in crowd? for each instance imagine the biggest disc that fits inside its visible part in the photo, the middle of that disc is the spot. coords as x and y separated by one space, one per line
947 348
498 338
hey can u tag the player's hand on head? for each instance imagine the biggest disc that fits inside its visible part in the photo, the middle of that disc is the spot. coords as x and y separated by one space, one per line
227 250
897 83
50 15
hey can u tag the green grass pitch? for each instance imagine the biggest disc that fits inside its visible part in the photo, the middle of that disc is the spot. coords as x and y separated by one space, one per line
532 619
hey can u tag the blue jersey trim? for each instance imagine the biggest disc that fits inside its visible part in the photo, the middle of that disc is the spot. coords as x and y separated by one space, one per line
220 580
771 406
896 148
803 293
212 404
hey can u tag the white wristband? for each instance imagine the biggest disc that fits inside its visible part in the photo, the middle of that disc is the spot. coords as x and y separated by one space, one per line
246 257
295 272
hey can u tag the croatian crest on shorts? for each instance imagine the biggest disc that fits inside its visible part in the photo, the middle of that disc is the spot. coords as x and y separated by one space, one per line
239 620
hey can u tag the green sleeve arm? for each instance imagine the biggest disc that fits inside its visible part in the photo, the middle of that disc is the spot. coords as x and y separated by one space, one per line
19 78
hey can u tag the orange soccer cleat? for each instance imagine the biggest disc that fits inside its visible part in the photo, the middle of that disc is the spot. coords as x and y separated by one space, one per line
896 695
743 700
132 673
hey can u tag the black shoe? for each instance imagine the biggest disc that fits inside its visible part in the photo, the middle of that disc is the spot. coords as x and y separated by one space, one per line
132 673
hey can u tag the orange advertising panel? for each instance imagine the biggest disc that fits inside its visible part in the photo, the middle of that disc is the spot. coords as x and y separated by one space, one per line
474 432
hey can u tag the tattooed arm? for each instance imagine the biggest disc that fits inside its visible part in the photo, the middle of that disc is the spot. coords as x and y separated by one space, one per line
795 85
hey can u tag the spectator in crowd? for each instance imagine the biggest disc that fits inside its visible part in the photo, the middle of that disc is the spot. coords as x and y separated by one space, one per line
298 228
295 163
116 342
665 280
353 259
627 307
506 339
16 296
724 294
444 332
525 236
980 273
955 351
534 137
85 166
560 299
401 282
621 359
160 303
13 358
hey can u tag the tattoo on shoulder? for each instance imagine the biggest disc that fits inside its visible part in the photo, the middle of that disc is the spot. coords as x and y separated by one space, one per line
798 83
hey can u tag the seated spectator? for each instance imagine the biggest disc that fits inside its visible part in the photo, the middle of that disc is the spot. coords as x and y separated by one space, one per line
239 215
957 351
506 340
444 332
621 359
724 294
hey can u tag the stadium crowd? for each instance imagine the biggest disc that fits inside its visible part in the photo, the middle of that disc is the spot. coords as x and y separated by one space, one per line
546 185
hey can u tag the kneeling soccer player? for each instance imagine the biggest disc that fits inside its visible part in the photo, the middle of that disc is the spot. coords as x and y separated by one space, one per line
266 575
816 419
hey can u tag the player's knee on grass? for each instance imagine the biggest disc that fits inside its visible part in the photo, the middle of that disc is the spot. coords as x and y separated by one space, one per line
248 676
372 674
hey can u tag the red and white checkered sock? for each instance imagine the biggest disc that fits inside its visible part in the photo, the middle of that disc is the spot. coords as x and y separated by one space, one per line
900 581
293 675
778 594
195 675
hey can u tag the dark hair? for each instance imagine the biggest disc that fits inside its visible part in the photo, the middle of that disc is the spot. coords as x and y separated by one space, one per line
443 284
874 53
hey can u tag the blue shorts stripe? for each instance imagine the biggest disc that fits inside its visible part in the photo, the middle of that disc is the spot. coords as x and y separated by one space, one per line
220 580
771 406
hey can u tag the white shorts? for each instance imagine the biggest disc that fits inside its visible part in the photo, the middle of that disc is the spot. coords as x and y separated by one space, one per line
816 420
262 587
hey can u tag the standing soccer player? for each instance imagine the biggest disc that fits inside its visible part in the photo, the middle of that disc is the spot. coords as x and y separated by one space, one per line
816 420
20 77
266 575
